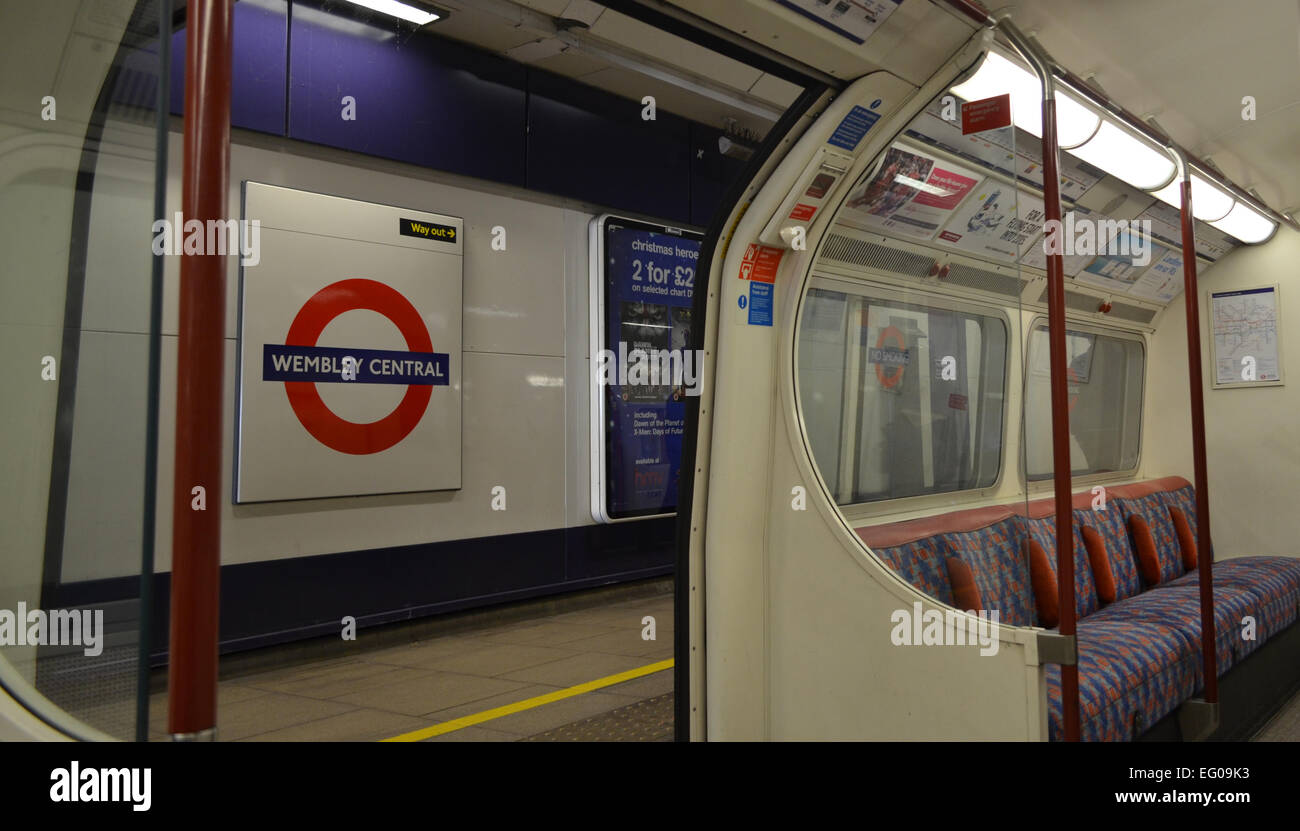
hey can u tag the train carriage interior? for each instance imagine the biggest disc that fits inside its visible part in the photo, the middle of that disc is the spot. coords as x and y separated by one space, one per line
694 370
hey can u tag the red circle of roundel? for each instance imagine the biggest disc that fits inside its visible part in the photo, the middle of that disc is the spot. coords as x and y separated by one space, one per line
889 381
330 430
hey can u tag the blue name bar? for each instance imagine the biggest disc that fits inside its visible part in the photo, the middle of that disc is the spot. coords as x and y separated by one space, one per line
353 366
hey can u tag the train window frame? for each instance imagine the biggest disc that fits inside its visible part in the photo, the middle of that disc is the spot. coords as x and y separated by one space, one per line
868 286
1043 483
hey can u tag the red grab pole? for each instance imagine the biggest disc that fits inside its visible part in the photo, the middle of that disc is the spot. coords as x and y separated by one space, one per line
196 497
1060 422
1191 298
1060 396
1060 391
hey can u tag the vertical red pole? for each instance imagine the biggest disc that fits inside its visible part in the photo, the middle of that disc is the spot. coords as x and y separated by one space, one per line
196 523
1061 463
1191 297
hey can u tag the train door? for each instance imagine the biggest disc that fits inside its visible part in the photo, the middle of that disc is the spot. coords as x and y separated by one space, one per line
859 371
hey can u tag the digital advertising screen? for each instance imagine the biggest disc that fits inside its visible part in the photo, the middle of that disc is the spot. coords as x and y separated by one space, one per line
643 279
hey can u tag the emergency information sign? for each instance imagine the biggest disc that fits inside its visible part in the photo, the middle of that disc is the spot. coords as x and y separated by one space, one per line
349 368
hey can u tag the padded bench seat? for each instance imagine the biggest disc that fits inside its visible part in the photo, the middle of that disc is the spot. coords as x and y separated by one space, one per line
1137 599
1132 673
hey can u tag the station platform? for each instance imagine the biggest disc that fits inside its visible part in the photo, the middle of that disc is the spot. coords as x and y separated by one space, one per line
569 668
574 668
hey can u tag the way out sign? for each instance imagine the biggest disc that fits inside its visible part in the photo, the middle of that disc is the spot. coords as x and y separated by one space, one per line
349 349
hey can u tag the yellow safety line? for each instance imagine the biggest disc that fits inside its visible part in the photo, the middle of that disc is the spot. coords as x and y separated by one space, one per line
529 703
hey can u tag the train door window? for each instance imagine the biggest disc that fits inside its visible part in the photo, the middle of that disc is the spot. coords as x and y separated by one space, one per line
1106 374
900 398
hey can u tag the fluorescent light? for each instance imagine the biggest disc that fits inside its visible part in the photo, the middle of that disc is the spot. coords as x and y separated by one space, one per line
391 7
1209 201
1245 223
1075 123
1126 156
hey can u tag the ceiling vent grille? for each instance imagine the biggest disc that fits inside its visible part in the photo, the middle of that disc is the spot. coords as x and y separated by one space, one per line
869 254
1075 301
1134 313
1008 285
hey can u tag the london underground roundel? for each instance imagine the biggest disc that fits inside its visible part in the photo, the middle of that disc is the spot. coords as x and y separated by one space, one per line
420 368
349 353
890 357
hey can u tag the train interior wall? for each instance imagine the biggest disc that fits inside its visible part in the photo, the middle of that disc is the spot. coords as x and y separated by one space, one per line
1252 436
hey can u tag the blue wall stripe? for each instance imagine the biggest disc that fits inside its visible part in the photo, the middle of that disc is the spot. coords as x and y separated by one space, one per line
276 601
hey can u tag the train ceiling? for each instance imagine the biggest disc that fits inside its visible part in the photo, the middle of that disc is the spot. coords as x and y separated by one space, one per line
1188 63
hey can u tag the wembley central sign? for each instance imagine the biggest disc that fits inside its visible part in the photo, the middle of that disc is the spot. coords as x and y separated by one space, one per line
341 287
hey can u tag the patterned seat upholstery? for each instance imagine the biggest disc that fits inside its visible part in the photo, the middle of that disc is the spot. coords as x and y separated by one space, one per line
1153 509
1140 656
1119 549
1043 531
1275 581
1179 607
920 563
1132 673
998 564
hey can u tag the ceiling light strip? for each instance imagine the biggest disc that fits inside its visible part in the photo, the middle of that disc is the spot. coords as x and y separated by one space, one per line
1117 111
404 11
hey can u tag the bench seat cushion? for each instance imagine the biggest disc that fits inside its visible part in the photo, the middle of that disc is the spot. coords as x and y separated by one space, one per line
1275 581
1110 524
996 559
923 564
1179 608
1132 673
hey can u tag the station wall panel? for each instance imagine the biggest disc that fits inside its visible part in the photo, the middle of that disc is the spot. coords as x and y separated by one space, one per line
441 104
427 101
257 83
590 145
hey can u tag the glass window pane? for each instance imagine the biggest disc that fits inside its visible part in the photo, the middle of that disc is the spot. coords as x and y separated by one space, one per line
900 399
1106 377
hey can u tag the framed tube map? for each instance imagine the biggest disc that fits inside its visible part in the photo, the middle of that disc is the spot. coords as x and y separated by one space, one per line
642 282
1244 345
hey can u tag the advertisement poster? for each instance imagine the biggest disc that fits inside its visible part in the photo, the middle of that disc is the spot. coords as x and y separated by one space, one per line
996 222
911 195
644 369
1166 222
1076 176
1036 255
1120 268
1163 281
854 19
991 149
1212 243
